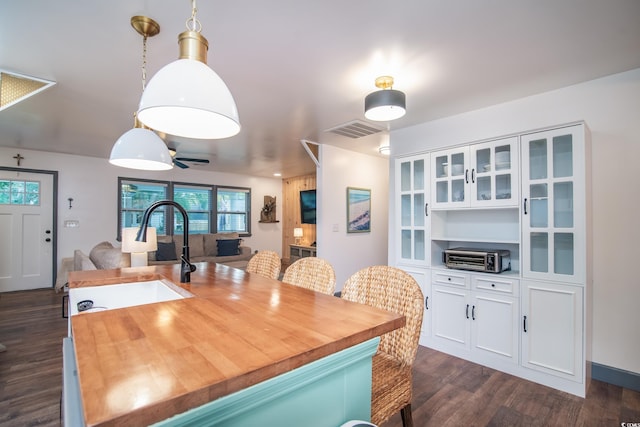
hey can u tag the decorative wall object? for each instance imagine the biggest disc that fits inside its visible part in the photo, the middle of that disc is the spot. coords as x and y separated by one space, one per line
268 212
358 210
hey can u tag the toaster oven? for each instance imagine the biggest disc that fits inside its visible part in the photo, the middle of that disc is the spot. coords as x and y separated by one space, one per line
485 260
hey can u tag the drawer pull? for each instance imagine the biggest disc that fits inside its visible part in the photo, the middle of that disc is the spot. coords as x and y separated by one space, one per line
493 285
449 278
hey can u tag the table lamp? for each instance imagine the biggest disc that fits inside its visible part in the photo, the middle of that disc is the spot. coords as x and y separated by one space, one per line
138 250
297 233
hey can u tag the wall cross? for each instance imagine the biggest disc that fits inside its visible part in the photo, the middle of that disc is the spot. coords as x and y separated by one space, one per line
18 157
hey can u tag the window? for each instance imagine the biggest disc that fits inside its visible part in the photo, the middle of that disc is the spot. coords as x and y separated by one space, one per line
231 213
135 198
19 192
233 210
197 202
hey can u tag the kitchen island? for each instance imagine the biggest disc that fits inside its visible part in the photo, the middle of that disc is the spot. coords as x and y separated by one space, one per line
242 339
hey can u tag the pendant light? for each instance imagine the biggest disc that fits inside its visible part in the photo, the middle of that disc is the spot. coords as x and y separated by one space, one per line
386 104
140 147
187 98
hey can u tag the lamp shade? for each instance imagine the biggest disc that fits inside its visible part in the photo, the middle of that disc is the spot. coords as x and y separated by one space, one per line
129 243
385 105
140 148
297 232
138 250
187 98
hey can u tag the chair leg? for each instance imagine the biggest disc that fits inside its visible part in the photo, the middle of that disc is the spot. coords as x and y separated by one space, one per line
407 419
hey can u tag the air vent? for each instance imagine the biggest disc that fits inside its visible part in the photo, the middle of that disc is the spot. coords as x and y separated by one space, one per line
355 129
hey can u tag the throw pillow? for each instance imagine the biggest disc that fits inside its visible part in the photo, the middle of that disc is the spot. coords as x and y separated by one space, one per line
228 247
104 256
166 252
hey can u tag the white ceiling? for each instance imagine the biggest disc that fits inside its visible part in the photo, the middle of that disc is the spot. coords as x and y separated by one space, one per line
297 68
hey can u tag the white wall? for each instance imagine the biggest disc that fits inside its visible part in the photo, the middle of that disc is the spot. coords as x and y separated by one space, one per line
93 185
350 252
611 108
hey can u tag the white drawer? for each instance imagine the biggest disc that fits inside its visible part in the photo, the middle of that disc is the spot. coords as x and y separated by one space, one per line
499 284
461 280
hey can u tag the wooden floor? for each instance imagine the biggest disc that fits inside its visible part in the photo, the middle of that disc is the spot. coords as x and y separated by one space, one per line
32 328
453 392
447 391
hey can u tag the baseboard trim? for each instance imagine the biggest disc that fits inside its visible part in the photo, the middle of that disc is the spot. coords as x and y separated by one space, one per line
615 376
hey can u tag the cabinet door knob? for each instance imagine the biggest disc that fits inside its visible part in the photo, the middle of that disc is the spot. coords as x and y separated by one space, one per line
426 213
473 175
426 303
525 205
473 312
524 324
467 313
493 285
466 176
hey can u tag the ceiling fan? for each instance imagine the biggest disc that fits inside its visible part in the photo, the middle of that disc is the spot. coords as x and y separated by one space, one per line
178 161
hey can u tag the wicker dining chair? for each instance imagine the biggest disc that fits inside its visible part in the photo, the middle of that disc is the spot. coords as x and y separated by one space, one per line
391 289
312 273
265 263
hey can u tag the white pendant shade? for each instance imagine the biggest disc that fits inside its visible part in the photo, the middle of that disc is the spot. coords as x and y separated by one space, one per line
140 148
187 98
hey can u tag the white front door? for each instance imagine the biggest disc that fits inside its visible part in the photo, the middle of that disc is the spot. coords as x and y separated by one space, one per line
26 230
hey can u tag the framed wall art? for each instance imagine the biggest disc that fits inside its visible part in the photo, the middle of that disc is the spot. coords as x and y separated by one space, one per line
358 210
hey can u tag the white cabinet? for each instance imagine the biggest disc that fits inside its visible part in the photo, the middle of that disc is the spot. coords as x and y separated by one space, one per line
529 194
553 329
450 309
450 178
423 277
477 175
554 206
412 210
475 313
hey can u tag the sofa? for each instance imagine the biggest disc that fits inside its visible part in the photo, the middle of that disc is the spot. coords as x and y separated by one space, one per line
220 247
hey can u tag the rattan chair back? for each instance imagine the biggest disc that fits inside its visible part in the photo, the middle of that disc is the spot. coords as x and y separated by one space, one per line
312 273
265 263
391 289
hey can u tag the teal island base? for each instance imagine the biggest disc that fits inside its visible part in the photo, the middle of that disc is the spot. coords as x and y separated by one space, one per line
324 393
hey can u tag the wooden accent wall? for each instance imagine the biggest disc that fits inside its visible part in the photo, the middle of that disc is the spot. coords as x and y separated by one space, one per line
291 188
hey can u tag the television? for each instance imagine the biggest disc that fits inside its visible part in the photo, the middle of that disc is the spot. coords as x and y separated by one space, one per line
308 206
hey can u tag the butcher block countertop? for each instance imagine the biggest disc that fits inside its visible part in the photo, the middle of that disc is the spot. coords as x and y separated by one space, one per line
143 364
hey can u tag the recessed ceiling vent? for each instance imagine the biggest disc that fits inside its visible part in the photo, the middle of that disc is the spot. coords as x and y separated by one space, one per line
355 129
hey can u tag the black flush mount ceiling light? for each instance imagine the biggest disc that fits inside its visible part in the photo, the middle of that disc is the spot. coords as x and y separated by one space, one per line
385 104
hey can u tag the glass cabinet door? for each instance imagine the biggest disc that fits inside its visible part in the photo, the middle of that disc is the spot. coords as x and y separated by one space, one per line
494 173
450 178
552 223
412 209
